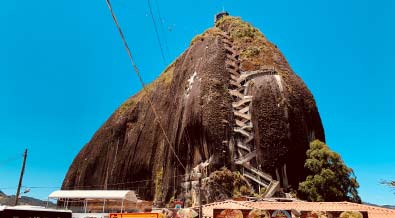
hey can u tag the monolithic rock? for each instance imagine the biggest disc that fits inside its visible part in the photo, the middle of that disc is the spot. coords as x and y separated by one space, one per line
231 99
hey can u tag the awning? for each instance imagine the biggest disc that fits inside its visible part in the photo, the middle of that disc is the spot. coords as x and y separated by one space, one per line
94 194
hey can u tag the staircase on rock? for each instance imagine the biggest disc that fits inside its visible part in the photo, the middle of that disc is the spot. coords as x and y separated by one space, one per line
246 152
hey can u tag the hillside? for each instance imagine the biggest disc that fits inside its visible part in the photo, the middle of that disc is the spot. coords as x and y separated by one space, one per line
24 200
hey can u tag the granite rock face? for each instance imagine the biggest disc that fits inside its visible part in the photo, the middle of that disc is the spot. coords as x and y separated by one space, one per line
196 108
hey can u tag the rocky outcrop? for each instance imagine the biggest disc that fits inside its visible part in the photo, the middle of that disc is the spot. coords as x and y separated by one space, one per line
230 89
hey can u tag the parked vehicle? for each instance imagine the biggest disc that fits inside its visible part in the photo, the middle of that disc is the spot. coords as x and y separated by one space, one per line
32 211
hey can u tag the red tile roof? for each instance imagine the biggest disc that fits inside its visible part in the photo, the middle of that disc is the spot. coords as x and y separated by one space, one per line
230 204
373 212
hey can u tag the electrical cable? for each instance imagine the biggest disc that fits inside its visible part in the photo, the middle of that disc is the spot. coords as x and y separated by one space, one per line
92 186
121 183
161 21
156 31
4 162
8 188
141 81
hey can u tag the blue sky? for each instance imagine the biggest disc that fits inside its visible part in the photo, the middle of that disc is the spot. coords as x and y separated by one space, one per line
64 70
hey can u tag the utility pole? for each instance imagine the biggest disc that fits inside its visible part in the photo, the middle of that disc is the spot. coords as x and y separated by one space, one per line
20 178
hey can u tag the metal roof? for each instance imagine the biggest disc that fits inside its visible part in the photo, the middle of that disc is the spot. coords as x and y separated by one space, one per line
94 194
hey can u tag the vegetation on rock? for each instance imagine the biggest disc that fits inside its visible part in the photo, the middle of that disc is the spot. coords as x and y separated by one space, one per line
164 79
158 185
224 184
255 51
209 33
329 178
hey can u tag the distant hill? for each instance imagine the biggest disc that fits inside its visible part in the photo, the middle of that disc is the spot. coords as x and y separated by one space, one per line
24 200
389 206
384 206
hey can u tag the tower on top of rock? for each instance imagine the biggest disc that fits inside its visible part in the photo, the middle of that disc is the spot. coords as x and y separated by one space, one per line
220 15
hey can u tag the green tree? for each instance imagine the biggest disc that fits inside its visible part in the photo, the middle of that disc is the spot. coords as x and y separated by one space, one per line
329 179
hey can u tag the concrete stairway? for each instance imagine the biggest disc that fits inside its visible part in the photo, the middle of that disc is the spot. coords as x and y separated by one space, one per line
243 125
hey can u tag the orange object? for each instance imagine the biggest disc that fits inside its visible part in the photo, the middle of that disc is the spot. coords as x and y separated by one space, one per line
134 215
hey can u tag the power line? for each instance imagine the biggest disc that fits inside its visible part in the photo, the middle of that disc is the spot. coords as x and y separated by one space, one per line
156 31
6 161
92 186
145 186
141 80
126 183
8 188
161 20
41 187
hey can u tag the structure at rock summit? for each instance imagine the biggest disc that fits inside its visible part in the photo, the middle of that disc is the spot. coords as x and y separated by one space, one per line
230 100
